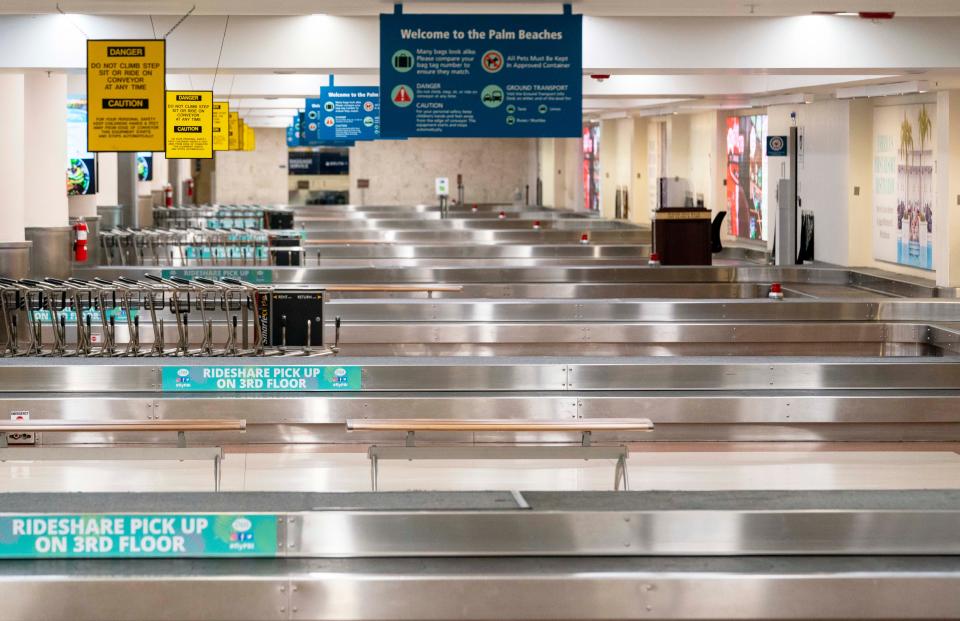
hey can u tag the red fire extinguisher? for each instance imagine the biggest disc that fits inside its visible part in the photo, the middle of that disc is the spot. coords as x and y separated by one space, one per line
80 245
190 189
168 195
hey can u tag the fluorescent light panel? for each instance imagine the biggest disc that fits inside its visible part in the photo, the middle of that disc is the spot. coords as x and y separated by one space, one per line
884 90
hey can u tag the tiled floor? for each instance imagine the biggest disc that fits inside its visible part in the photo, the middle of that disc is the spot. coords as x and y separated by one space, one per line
338 470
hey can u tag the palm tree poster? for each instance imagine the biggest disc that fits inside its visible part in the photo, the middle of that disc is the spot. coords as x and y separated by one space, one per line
904 180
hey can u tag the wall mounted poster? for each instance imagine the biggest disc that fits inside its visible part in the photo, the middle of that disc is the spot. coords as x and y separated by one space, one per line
904 182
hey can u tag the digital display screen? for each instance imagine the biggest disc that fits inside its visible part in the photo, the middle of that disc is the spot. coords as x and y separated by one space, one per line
81 164
322 162
746 210
145 166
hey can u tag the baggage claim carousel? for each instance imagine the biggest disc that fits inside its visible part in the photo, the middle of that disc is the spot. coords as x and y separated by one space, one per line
847 355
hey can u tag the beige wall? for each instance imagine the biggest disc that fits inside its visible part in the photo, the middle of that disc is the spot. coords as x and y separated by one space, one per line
403 171
838 159
552 181
639 189
616 161
258 177
860 170
568 172
702 166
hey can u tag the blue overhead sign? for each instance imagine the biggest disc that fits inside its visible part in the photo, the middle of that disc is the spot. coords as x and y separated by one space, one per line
293 132
311 121
311 124
510 76
349 113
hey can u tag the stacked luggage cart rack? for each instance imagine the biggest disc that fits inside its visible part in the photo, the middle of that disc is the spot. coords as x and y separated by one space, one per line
223 217
221 235
104 318
195 247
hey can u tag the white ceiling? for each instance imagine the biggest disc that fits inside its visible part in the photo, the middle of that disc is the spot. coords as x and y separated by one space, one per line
588 7
255 88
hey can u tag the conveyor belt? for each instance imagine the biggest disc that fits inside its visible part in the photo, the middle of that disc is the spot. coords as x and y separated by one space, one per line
758 588
842 555
881 285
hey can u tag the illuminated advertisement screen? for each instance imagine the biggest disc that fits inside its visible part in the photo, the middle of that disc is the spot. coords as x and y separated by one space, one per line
747 212
145 166
590 147
81 164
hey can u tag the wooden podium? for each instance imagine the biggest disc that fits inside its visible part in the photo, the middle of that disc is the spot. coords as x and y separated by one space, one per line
681 235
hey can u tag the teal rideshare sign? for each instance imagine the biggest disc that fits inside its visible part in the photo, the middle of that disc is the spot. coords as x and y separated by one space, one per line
481 76
137 536
253 276
260 378
70 315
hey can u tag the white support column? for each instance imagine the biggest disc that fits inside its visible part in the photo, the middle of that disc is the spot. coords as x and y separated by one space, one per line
45 151
11 157
107 179
946 218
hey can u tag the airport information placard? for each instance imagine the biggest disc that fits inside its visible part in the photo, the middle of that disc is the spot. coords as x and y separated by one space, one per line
507 76
260 378
349 113
125 95
221 126
137 536
233 131
189 125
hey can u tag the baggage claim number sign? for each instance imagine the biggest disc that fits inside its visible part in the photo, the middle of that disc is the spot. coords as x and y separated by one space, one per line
125 95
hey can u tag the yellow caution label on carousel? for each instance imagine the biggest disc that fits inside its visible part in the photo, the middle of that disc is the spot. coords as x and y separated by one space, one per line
249 138
233 131
125 95
189 125
221 126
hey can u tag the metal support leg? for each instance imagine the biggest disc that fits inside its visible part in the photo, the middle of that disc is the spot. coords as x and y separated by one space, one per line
373 471
182 439
620 473
216 473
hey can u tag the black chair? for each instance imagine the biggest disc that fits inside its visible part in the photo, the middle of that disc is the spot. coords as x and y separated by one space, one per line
715 245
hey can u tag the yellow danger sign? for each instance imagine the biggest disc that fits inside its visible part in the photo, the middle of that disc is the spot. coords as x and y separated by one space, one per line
125 87
221 126
249 138
234 131
189 125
